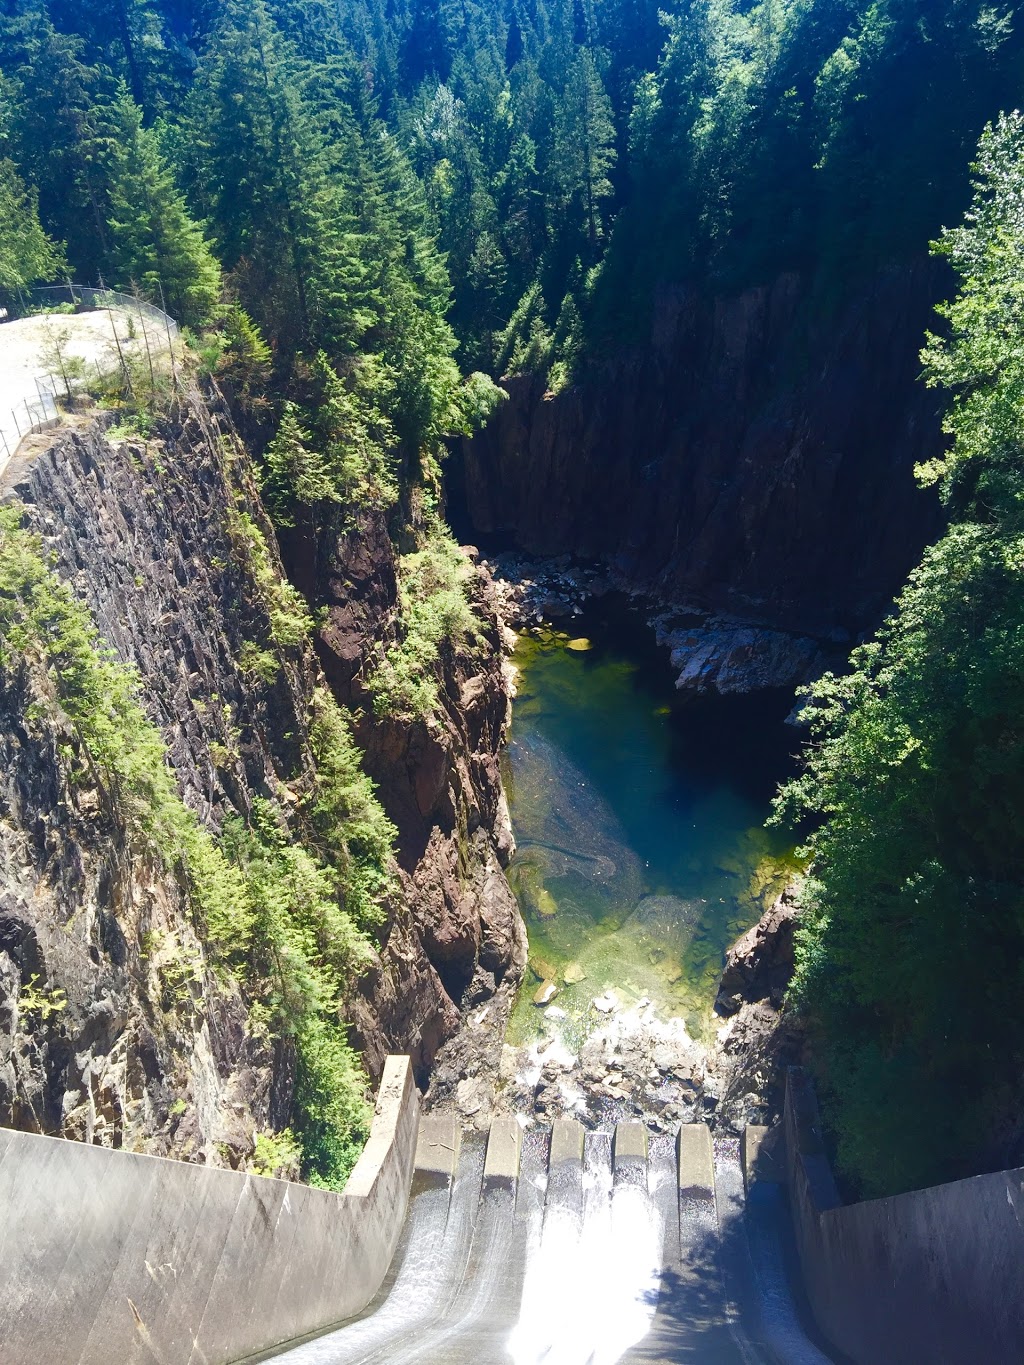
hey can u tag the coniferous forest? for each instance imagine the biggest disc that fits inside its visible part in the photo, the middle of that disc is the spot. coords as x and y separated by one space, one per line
367 213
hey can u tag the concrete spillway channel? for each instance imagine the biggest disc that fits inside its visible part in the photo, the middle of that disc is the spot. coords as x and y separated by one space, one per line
564 1247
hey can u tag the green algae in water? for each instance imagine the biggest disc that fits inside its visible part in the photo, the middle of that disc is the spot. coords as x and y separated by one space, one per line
638 816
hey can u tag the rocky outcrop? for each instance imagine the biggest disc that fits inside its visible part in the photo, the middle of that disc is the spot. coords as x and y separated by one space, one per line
632 1065
461 947
759 965
754 456
635 1064
728 656
760 1038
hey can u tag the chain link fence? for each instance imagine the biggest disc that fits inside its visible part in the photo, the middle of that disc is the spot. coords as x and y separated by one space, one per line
81 296
128 356
30 415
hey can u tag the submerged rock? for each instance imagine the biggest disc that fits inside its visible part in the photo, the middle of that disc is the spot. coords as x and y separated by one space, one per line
545 993
542 969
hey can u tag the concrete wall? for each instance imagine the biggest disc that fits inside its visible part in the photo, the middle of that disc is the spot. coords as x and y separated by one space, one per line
931 1276
111 1258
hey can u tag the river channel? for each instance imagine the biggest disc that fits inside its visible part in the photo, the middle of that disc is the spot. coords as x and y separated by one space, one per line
639 818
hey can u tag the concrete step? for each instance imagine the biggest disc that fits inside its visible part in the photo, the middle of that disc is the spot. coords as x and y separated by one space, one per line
565 1166
504 1148
630 1149
695 1161
438 1143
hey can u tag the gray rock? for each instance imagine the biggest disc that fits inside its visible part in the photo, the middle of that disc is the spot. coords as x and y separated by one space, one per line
733 657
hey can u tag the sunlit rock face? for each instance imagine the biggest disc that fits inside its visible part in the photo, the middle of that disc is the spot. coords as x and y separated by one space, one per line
149 1048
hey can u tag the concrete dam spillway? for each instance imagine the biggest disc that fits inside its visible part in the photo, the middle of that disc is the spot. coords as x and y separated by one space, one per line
525 1246
575 1248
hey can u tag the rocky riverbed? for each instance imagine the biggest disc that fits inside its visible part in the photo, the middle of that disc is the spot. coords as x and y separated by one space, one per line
709 651
636 1063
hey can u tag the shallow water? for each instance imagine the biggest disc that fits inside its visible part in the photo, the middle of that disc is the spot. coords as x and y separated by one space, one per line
638 815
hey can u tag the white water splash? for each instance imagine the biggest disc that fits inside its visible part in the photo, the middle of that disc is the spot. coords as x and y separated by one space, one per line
591 1289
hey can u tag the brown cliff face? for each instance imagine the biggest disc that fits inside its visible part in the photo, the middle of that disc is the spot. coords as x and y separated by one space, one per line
137 1041
755 456
464 942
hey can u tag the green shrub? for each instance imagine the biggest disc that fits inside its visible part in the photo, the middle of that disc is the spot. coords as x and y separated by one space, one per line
305 946
260 663
277 1154
36 999
434 610
330 1095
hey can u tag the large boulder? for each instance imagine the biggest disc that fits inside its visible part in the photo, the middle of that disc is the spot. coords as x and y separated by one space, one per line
759 966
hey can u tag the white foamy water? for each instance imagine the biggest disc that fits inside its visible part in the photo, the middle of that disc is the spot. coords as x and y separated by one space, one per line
591 1284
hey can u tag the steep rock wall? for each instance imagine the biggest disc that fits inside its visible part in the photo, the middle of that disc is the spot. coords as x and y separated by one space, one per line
152 1050
440 783
755 455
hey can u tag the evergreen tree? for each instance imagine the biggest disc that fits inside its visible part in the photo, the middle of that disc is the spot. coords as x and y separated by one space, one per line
59 137
295 473
254 173
245 362
128 38
27 255
352 434
154 243
584 146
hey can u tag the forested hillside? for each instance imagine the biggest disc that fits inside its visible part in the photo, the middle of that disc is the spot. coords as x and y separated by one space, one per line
371 178
367 211
910 961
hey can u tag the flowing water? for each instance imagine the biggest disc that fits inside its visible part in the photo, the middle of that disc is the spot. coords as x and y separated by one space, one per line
639 818
641 855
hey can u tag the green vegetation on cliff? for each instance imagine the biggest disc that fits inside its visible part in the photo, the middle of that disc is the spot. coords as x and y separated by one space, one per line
434 612
910 957
282 903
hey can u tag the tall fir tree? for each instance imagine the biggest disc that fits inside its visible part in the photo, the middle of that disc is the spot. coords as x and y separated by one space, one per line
60 138
154 243
27 255
584 146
